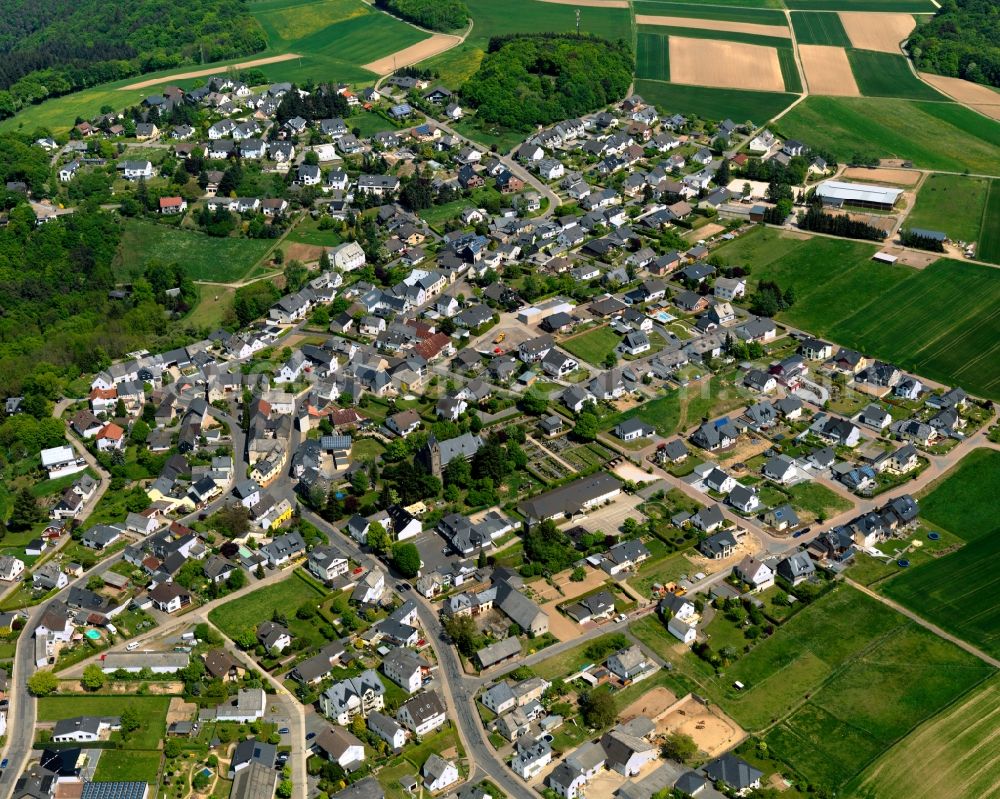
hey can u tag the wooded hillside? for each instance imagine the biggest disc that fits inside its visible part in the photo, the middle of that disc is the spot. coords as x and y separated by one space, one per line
53 47
540 79
961 41
438 15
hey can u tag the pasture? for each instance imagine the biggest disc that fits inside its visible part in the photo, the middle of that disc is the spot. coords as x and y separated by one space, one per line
957 592
964 502
817 27
204 257
594 345
953 203
839 292
887 75
714 104
989 244
943 136
958 747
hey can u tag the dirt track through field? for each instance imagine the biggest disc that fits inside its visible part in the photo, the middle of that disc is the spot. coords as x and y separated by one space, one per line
714 25
204 73
437 43
726 65
979 98
827 70
877 31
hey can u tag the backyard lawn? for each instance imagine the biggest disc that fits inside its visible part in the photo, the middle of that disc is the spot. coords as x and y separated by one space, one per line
127 766
259 606
594 345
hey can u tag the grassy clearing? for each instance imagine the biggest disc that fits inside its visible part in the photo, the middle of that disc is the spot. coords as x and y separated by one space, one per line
843 303
888 75
204 257
957 592
815 499
714 104
989 245
594 345
965 501
127 766
944 136
952 203
738 11
815 27
152 710
956 750
662 413
258 606
572 660
213 305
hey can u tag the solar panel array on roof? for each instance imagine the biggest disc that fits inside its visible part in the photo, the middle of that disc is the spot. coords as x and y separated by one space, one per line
115 790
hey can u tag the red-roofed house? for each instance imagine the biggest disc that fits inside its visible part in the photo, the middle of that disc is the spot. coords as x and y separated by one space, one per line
437 346
173 205
110 437
103 400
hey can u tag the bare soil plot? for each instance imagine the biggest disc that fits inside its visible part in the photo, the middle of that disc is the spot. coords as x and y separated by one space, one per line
591 3
651 704
877 31
828 71
303 252
436 44
179 710
979 98
899 177
711 729
754 28
918 259
726 65
202 73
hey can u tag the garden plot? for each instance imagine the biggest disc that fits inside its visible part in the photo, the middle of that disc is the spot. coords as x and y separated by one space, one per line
828 71
729 65
874 31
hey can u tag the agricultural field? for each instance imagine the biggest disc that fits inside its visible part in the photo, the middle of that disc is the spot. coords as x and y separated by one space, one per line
888 75
816 27
914 6
955 204
221 260
594 345
881 32
885 676
334 38
257 606
762 13
989 244
956 753
714 104
872 702
942 136
841 303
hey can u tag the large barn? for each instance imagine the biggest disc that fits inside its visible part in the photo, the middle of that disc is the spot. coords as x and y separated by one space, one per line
836 193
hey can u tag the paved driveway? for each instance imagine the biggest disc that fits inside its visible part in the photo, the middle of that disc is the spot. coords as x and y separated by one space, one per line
609 518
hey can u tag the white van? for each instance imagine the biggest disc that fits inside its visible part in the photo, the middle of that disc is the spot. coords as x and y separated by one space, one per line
132 646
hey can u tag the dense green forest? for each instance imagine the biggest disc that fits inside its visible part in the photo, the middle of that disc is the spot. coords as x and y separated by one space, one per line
56 318
53 47
438 15
528 80
961 41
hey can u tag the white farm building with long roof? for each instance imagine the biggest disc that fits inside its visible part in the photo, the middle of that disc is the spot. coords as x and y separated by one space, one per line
838 193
